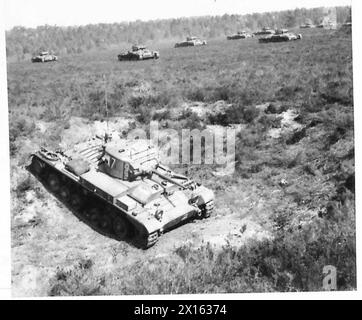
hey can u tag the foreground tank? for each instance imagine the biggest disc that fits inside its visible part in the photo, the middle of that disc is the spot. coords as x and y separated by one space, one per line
121 189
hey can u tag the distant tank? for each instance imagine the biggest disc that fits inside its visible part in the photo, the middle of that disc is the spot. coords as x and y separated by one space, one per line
120 188
138 52
44 56
264 31
308 24
281 35
191 42
347 25
239 35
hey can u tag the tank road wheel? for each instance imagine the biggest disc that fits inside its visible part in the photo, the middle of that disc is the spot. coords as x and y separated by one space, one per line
64 193
207 209
151 240
75 201
105 223
94 216
53 182
120 228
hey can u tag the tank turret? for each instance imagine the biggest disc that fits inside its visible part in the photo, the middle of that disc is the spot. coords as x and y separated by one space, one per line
128 161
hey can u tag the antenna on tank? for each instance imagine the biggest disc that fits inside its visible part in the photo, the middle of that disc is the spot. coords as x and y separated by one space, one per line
106 102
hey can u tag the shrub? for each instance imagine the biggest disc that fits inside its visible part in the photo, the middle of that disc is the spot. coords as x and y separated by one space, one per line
77 281
234 114
163 115
196 94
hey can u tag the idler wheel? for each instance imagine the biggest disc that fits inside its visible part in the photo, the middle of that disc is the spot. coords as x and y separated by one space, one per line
38 167
64 193
94 217
105 222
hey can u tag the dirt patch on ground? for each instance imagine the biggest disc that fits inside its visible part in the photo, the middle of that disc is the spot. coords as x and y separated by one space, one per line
288 124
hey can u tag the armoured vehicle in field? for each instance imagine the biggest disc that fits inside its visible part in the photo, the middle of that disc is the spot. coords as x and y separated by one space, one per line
120 188
264 31
191 42
138 52
44 56
239 35
281 35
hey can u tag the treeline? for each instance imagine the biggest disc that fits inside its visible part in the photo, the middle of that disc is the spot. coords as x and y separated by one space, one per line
23 42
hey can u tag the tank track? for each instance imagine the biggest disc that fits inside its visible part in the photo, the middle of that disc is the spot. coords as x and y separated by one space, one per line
207 209
89 208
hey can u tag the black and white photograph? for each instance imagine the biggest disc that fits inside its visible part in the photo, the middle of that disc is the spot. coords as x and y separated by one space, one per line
179 147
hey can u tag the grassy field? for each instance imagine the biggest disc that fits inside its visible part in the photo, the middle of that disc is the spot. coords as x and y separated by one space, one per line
310 216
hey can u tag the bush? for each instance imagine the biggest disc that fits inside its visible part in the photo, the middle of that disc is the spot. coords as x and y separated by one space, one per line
24 185
77 281
196 94
163 115
234 114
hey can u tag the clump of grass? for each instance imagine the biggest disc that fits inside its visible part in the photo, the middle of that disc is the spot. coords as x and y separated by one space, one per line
21 126
77 281
196 94
234 114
